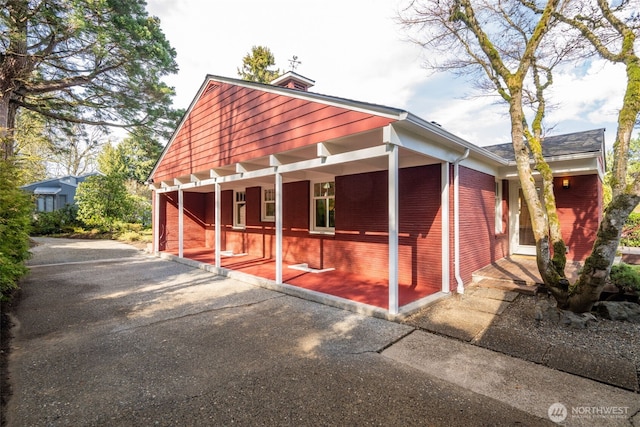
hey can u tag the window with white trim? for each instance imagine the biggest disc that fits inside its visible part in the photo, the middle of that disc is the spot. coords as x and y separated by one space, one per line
239 209
498 207
323 206
268 204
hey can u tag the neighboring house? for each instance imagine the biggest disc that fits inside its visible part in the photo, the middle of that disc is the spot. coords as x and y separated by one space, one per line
55 193
320 195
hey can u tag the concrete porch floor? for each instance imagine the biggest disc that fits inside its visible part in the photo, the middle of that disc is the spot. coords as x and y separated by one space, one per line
517 272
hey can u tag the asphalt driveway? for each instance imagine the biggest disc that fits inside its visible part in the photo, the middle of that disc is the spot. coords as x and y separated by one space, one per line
106 335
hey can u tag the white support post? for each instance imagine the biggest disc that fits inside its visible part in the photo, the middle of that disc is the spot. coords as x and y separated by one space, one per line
393 228
156 222
444 204
218 237
180 223
278 190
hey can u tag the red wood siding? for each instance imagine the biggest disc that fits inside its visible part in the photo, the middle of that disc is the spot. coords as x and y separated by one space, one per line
479 245
231 124
580 212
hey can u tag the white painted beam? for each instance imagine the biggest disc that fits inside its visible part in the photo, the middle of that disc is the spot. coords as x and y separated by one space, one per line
156 222
445 219
323 150
409 141
291 168
281 159
336 159
217 227
179 181
180 223
278 224
394 224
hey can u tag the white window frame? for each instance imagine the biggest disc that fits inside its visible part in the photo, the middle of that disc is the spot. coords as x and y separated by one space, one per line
315 228
242 195
264 202
498 207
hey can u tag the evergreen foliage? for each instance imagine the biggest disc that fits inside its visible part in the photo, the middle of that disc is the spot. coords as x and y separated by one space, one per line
15 216
255 65
625 276
93 62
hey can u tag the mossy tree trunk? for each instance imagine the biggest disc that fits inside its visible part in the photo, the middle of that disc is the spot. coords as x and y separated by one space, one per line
514 50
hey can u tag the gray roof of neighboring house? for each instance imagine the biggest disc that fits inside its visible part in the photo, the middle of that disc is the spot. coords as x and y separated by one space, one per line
68 180
590 141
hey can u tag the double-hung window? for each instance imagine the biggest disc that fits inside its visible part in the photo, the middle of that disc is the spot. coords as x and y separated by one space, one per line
268 204
323 206
239 209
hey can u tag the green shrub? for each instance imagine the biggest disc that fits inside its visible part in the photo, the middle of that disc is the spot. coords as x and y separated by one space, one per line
15 219
130 236
625 276
63 220
104 202
631 231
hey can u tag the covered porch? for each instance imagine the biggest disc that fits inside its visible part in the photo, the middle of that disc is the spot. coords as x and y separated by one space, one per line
390 247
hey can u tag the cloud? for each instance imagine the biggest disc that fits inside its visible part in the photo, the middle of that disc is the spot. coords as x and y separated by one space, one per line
354 49
592 96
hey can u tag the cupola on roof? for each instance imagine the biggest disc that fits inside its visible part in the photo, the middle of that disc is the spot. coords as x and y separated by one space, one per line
293 80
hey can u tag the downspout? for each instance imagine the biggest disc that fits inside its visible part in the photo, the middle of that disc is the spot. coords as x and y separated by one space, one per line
456 221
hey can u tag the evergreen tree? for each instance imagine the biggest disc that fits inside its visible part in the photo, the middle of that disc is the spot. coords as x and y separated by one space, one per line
98 62
15 217
255 65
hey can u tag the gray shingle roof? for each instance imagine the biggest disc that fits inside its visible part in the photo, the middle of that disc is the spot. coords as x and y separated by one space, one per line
590 141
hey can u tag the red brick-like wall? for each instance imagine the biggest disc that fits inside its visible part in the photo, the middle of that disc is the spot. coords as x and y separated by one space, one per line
168 228
360 243
194 220
193 223
479 244
580 212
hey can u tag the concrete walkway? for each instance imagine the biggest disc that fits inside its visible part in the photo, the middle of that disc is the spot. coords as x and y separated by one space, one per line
105 335
474 318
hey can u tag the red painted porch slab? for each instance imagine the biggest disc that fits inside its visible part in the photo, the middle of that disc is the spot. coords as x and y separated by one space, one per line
344 285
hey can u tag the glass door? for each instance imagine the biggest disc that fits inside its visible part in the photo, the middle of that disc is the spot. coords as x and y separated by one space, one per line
522 239
525 228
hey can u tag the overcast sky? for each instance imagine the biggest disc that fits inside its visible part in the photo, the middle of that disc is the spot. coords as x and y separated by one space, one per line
354 49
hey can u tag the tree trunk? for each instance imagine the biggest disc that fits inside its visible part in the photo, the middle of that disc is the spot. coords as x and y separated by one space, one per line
597 266
626 196
6 139
7 126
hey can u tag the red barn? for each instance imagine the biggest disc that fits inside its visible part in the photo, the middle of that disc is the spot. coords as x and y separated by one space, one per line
349 202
